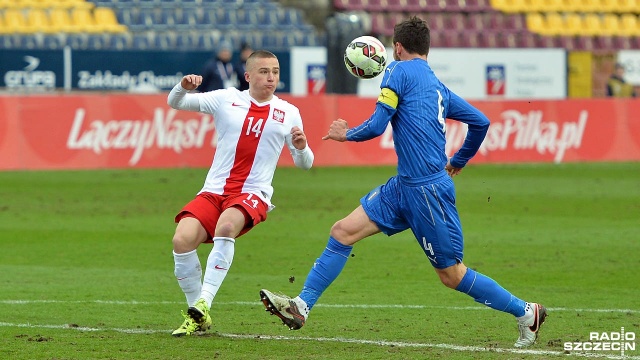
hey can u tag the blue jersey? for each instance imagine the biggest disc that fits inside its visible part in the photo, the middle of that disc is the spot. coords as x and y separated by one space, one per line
417 104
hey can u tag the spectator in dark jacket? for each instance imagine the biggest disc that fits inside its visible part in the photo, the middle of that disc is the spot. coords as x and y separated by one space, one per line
219 72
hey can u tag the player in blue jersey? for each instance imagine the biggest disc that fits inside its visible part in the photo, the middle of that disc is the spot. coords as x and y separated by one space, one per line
421 197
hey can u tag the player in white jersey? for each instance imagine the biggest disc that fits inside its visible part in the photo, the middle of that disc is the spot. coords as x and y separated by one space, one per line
252 127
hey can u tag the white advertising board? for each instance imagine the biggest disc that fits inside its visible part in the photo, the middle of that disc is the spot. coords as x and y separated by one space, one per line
302 60
478 74
631 61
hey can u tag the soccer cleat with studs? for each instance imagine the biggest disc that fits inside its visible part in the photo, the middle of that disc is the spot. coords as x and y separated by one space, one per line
188 327
283 307
530 328
196 319
199 312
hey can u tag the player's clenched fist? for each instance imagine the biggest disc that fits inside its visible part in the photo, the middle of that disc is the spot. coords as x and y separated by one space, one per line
190 82
337 131
298 138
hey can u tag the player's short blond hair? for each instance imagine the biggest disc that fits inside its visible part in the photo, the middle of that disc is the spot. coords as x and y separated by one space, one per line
259 54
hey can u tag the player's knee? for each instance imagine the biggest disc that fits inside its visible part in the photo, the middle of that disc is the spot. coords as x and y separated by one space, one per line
227 229
182 243
450 279
342 233
449 282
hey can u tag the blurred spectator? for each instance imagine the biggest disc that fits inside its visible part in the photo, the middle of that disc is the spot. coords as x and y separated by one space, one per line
219 72
617 86
241 66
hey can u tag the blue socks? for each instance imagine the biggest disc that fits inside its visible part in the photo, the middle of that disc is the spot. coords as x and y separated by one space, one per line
481 288
326 269
485 290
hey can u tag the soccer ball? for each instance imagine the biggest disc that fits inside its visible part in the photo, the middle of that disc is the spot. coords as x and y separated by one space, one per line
365 57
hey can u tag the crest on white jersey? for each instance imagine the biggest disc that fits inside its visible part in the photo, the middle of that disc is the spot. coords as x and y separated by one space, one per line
278 115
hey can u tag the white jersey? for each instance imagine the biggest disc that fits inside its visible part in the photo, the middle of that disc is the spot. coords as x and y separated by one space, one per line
250 138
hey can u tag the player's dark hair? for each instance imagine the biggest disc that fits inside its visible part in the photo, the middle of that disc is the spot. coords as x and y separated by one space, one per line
414 35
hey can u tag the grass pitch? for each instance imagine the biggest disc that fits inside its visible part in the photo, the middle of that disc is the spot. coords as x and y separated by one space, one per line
86 270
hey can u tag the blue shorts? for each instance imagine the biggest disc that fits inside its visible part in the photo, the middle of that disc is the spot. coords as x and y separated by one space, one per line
427 206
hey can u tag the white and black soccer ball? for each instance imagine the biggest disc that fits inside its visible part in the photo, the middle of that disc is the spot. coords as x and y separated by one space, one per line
365 57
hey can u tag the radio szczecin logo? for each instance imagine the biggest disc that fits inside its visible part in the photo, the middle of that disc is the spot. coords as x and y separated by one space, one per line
606 341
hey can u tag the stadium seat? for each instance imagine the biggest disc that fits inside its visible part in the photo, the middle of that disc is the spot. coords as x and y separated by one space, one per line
165 41
596 6
629 25
472 6
592 24
625 6
82 21
509 6
476 21
78 41
98 41
544 41
54 41
622 42
566 42
15 21
573 24
553 24
584 43
515 22
3 26
527 40
61 21
120 41
38 21
551 5
610 24
105 20
536 23
31 41
455 21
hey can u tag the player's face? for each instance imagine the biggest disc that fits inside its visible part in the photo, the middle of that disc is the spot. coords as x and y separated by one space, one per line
263 75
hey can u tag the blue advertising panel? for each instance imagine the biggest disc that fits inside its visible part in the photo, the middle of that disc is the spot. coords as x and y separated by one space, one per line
31 70
102 70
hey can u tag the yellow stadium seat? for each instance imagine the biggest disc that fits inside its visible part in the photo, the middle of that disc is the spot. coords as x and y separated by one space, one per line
592 24
38 20
79 4
15 21
82 19
572 5
534 5
106 19
498 4
573 24
510 6
535 23
610 24
629 25
625 6
551 5
3 28
554 24
61 21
